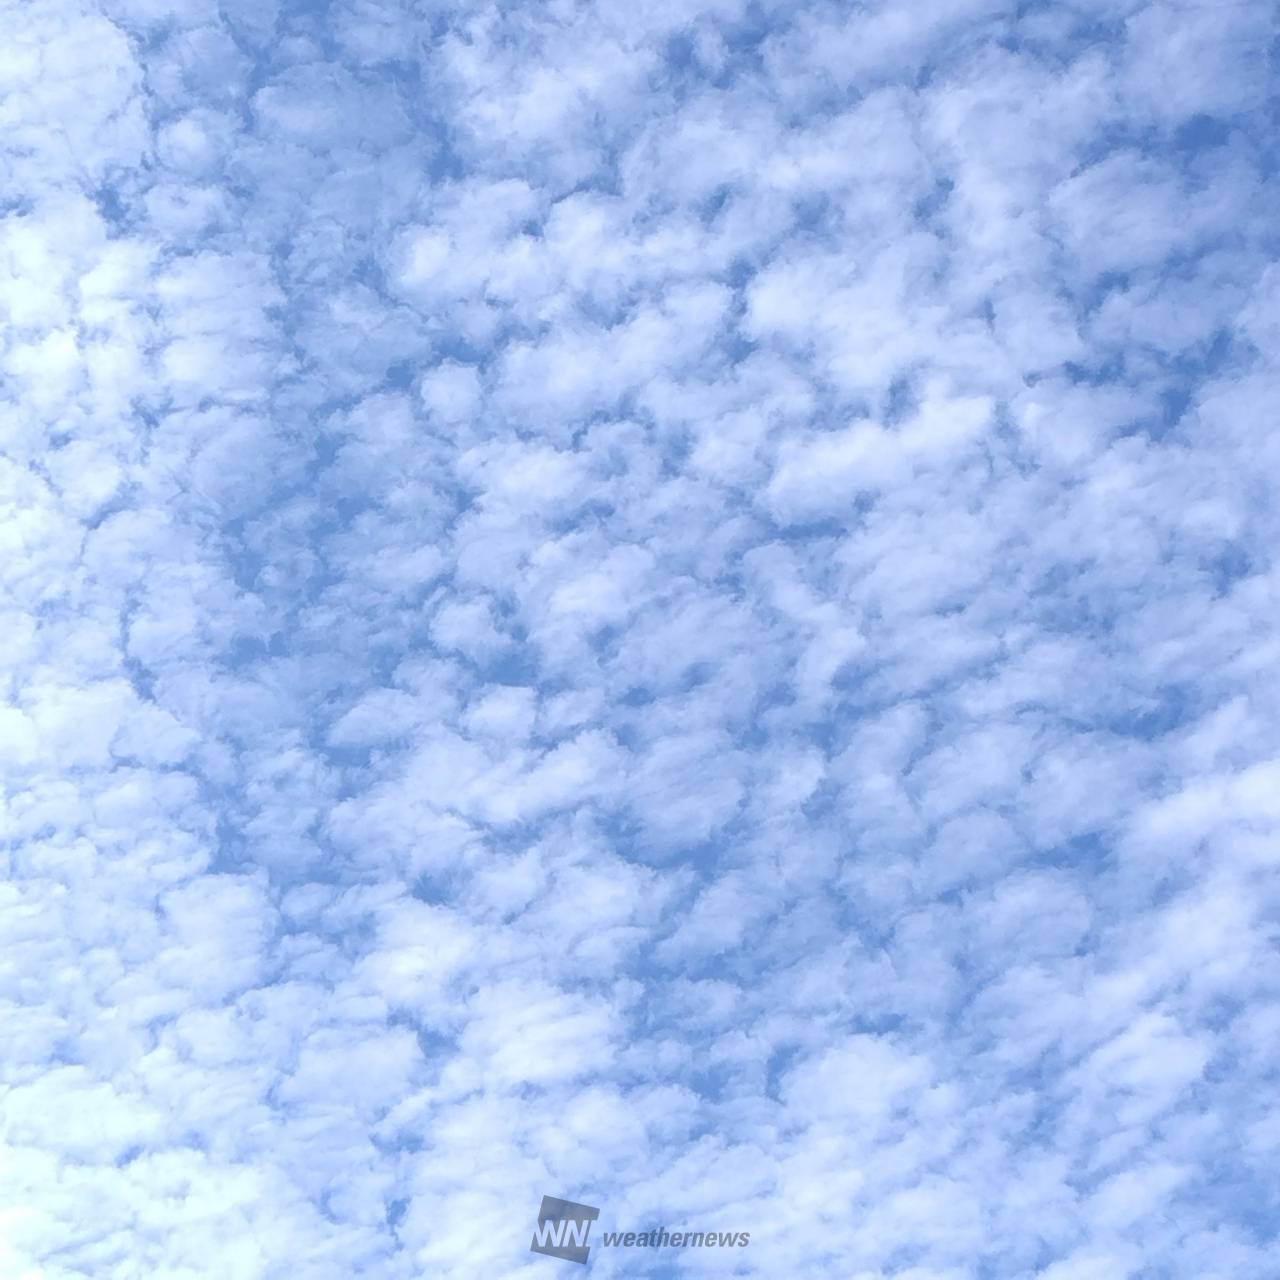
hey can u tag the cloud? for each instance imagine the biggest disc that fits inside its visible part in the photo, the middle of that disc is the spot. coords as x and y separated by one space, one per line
674 608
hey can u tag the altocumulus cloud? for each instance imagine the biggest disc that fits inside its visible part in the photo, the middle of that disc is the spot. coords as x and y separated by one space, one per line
672 605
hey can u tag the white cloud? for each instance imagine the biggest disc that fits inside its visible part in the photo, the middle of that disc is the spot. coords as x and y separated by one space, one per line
669 607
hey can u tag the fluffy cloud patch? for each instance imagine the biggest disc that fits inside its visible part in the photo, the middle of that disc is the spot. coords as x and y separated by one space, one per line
671 607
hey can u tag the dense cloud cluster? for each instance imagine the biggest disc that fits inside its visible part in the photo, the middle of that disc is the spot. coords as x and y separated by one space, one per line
668 605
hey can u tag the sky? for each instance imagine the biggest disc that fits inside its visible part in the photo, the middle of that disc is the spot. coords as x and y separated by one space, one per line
667 605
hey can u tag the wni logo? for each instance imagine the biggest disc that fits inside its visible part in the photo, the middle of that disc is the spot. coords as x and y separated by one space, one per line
562 1229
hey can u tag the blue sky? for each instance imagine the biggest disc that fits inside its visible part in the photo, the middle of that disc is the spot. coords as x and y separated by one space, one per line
667 605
